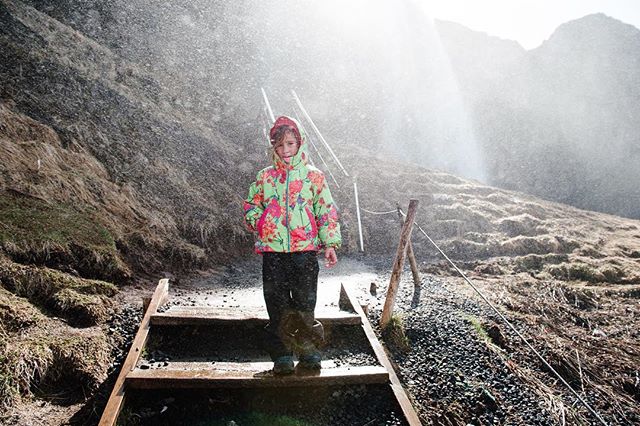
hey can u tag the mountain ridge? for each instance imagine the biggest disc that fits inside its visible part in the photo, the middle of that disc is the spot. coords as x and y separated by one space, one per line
569 105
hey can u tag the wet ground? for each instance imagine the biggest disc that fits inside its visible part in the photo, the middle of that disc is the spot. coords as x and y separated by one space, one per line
239 287
451 370
461 368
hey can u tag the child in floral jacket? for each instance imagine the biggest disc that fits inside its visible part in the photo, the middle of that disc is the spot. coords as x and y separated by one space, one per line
291 209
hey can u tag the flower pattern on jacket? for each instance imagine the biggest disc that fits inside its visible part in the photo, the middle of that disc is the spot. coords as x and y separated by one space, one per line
290 205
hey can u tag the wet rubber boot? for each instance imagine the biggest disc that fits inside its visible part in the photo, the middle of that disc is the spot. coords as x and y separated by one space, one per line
310 336
310 357
283 365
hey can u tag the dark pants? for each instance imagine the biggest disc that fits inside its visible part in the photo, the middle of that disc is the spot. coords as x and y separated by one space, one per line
290 283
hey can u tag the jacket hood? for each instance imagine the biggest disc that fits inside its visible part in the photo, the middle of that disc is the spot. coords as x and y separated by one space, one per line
302 157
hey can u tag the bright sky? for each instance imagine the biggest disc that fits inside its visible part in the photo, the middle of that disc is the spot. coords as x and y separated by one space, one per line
528 22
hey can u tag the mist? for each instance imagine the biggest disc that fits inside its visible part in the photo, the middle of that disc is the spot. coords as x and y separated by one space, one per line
559 121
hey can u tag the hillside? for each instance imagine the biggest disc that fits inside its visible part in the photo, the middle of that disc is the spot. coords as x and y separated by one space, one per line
163 161
110 179
480 106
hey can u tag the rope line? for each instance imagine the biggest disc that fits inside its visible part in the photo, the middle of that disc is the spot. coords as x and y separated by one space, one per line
370 212
524 339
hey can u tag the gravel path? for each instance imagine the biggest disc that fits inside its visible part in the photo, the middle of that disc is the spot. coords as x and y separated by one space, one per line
451 373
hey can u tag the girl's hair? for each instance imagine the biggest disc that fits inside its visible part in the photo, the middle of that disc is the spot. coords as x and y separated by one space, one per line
278 136
281 132
273 155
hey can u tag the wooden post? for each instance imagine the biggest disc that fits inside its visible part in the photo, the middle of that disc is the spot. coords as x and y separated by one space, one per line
412 258
405 235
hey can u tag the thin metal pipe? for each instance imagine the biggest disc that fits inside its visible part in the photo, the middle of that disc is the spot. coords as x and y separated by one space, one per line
308 117
266 102
317 151
355 191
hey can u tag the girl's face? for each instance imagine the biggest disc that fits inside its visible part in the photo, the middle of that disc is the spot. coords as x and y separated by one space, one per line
287 147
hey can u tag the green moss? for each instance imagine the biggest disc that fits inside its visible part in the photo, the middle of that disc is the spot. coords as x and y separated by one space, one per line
30 221
394 333
478 327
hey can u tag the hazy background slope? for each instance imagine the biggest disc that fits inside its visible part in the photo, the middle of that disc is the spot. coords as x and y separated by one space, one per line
559 121
387 77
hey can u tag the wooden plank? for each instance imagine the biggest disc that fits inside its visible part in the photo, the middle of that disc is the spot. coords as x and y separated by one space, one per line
116 400
257 365
405 235
254 375
403 400
188 315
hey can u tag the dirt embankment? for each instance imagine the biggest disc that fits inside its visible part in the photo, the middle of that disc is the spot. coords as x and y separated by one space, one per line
118 141
103 178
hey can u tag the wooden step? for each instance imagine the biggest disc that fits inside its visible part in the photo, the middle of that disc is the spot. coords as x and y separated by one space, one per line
198 315
250 374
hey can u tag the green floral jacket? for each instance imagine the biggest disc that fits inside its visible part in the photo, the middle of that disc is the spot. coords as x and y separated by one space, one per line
290 206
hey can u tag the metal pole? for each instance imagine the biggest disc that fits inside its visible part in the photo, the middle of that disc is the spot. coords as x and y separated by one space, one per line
317 151
266 101
355 190
266 136
306 114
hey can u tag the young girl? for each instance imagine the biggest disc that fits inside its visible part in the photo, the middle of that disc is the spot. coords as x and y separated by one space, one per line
291 209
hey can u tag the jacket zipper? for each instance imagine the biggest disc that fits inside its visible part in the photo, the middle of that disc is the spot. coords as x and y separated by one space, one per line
287 213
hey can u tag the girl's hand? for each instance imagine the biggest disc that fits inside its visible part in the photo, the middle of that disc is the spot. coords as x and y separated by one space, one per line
331 257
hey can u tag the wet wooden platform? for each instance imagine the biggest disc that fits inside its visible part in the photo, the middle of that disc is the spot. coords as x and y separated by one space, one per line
251 374
194 315
192 373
